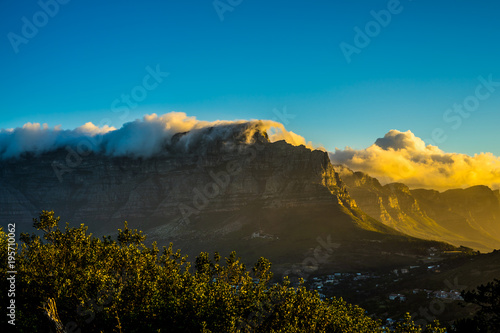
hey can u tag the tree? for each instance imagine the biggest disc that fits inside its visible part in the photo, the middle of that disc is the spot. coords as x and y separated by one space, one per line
70 280
46 222
487 319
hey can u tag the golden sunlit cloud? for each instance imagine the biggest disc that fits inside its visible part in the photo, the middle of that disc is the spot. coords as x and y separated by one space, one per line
403 157
91 129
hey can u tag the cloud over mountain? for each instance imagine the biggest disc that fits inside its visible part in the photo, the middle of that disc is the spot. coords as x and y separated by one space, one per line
140 138
403 157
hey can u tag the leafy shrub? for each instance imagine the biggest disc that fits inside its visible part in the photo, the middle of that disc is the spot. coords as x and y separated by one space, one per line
72 281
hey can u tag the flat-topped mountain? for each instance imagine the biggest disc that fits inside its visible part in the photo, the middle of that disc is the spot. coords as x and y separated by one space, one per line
240 193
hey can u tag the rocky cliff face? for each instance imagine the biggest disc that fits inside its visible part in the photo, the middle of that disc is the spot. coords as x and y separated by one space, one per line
469 217
174 188
261 199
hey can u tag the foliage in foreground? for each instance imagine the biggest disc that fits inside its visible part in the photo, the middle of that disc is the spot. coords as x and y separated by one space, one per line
71 281
487 319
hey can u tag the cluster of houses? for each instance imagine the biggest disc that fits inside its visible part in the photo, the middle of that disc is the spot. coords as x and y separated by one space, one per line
334 279
430 268
452 294
402 271
320 283
397 297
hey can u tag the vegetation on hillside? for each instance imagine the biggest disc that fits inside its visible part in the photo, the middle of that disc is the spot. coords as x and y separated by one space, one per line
71 281
487 319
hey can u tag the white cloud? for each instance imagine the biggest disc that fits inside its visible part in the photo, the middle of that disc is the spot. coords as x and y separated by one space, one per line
140 138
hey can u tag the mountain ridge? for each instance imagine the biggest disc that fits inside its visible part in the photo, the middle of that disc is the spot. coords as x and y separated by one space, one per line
469 217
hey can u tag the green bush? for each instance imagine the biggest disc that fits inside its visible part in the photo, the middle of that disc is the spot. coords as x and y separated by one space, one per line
72 281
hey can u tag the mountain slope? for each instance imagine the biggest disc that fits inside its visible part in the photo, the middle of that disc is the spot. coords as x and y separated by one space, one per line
469 217
474 211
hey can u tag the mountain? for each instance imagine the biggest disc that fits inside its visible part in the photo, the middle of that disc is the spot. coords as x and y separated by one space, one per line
469 217
474 211
260 198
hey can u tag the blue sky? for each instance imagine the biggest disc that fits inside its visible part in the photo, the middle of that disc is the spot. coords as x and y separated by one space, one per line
264 57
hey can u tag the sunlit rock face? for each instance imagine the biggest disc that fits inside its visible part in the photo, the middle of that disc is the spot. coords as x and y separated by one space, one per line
469 217
475 208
